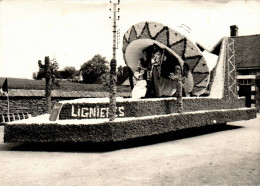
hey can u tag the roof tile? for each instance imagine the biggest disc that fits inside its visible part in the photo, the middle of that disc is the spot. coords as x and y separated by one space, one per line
247 51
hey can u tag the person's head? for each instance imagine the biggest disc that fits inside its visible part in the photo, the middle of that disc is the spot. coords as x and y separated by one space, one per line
177 70
155 47
145 53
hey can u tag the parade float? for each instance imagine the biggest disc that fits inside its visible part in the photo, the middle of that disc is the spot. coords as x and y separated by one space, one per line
212 98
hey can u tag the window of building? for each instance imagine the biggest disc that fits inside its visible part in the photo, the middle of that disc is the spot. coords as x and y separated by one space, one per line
244 81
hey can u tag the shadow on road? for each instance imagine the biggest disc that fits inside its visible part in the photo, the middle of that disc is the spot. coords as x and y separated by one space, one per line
111 146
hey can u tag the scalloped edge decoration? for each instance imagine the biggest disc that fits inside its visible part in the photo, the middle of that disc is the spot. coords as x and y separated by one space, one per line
139 28
179 47
155 28
132 35
127 34
125 43
200 77
174 37
204 82
192 62
163 37
145 33
190 50
201 66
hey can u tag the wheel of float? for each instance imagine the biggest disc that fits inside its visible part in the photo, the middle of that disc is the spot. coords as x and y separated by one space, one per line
144 34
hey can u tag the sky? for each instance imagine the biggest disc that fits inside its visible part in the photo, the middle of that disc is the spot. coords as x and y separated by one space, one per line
73 31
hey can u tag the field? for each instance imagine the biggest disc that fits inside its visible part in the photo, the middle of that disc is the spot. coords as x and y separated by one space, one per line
17 83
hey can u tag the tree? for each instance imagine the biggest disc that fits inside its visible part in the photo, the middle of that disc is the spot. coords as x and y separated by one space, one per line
34 75
68 72
38 75
54 66
94 68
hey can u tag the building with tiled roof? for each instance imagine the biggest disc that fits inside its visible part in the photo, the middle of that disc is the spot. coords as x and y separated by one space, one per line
247 57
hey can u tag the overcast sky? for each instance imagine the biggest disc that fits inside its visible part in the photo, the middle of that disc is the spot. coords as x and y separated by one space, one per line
74 31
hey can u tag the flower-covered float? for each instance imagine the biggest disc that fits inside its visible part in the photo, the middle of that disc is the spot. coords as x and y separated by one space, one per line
212 97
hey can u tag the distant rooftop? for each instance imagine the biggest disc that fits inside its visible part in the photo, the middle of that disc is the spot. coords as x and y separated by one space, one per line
62 94
247 51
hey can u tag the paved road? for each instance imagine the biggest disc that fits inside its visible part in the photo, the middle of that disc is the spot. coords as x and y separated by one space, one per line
227 155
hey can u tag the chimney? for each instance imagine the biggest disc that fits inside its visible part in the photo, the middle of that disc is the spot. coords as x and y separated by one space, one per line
233 30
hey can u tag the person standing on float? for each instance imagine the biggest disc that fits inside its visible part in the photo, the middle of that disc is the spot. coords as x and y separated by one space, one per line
141 86
156 68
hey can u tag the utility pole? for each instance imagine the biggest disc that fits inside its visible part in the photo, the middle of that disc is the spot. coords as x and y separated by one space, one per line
116 33
113 65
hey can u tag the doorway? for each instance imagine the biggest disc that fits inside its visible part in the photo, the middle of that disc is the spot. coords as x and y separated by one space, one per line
245 91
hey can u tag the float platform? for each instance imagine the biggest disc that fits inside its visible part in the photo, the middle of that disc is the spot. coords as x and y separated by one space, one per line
40 129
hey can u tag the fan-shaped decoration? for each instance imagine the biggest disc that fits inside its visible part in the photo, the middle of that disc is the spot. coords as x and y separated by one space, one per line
145 34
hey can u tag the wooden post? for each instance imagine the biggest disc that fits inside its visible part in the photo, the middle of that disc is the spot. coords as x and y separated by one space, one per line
8 104
48 83
112 91
179 94
179 84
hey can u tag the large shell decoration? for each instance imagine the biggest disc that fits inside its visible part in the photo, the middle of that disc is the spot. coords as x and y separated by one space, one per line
144 34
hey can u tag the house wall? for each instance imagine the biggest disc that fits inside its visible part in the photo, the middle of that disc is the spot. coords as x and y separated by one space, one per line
257 96
253 81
